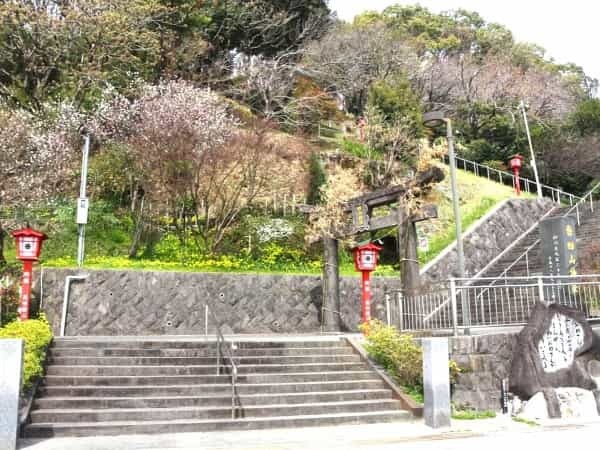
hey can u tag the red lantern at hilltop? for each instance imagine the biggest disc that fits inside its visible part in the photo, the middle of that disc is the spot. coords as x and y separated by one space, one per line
366 258
29 248
516 163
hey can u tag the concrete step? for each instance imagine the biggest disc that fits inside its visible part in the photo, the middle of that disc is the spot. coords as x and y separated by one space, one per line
206 413
206 389
224 399
106 385
295 377
197 361
45 430
148 343
174 352
199 369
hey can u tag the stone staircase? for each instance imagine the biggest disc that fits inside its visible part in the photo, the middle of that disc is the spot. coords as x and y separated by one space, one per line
115 386
587 233
513 305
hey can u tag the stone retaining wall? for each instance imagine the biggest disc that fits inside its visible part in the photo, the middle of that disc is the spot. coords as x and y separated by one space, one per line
485 361
142 303
487 238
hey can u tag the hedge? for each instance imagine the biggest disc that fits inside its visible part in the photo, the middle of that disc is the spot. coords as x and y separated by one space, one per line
37 335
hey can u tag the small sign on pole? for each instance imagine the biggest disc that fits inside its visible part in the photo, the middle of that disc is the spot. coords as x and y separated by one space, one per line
82 211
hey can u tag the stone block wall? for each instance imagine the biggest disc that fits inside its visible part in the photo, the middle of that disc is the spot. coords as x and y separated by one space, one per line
143 303
485 360
487 238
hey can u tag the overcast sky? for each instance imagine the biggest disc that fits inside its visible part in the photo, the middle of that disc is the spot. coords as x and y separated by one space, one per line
568 30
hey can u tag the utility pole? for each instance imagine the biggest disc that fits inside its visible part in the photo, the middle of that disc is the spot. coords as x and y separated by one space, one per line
455 199
533 164
82 204
433 119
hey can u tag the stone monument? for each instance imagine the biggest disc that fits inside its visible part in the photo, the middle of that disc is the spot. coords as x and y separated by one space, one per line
555 363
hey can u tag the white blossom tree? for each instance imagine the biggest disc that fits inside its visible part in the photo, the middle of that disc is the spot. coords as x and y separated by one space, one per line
36 158
195 162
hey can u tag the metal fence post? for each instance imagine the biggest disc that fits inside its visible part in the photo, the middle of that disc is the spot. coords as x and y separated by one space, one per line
387 309
541 289
205 320
400 301
218 356
453 303
466 311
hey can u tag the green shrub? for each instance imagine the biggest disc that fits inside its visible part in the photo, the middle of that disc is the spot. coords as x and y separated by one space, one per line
396 100
398 353
37 335
360 150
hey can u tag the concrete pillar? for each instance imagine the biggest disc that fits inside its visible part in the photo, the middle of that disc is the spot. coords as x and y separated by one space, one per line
11 367
436 382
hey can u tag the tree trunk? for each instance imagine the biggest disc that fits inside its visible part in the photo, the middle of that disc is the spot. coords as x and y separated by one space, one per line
331 286
2 236
137 234
407 250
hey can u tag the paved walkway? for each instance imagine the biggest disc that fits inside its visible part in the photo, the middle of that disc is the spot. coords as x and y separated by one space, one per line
500 432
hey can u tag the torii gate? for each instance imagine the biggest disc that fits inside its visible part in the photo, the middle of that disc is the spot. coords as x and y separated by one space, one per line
364 219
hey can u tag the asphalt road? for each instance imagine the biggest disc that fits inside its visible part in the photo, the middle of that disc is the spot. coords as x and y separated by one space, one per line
500 433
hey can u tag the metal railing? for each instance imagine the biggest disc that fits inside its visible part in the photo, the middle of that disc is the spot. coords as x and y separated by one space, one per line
462 304
221 344
579 209
527 185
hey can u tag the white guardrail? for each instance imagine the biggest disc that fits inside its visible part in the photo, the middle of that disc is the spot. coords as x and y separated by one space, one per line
462 303
503 177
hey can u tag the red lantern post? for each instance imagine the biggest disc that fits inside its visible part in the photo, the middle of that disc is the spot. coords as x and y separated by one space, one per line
516 163
365 261
29 247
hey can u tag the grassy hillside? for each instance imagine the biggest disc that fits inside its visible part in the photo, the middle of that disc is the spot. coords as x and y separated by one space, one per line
477 196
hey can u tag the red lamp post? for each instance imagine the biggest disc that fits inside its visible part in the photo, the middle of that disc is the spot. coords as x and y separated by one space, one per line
29 247
516 163
365 261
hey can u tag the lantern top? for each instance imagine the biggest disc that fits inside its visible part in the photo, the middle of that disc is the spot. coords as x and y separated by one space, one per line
29 244
434 118
367 246
517 156
366 257
29 232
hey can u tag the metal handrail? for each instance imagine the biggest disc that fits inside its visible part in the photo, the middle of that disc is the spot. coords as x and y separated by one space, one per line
478 169
234 371
513 244
582 200
549 277
514 263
